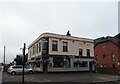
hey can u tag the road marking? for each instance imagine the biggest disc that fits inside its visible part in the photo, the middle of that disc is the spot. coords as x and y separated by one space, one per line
106 79
97 81
33 80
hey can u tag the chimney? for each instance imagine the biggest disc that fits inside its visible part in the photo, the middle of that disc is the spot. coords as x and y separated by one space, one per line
68 33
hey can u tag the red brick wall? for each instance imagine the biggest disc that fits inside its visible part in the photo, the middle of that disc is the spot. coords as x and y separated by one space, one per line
107 49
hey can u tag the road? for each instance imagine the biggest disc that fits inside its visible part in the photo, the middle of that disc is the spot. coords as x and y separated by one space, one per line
63 77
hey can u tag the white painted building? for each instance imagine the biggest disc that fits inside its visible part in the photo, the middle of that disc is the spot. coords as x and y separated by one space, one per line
64 52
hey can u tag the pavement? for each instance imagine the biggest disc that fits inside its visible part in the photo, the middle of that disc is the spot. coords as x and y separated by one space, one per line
0 77
77 77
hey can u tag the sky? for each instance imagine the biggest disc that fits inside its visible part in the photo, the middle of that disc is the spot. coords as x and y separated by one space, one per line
23 21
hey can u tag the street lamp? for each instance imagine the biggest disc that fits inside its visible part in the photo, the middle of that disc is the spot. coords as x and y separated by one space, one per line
3 65
4 57
23 50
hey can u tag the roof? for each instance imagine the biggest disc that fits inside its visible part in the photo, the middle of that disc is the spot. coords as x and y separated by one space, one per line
115 39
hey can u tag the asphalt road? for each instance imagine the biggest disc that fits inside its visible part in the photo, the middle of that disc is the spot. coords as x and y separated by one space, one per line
64 77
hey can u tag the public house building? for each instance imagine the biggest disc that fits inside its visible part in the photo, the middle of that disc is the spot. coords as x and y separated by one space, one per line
54 52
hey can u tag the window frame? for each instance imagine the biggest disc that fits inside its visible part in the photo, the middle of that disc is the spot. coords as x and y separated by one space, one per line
39 46
96 58
54 45
104 55
80 52
65 46
88 55
33 50
112 58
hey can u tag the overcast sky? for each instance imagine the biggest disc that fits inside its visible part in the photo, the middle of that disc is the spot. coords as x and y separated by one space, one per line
24 21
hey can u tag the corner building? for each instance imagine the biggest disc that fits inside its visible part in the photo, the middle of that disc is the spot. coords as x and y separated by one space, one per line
54 52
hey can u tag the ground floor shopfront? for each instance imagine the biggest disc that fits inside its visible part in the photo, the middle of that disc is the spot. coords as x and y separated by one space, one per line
62 63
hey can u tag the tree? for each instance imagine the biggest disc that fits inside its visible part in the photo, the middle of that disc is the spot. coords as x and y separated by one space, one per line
18 60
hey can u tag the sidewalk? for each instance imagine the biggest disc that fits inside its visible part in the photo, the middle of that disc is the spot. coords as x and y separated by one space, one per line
0 77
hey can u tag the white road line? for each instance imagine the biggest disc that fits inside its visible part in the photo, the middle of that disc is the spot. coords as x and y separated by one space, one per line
33 80
97 81
105 79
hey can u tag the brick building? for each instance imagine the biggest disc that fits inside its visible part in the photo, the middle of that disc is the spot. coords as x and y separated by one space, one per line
107 54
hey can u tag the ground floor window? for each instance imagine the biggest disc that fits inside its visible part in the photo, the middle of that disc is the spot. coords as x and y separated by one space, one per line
57 61
38 65
83 64
57 64
80 64
75 64
50 64
113 65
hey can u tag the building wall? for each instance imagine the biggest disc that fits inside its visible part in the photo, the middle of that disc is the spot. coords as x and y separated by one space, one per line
106 48
30 50
73 47
74 43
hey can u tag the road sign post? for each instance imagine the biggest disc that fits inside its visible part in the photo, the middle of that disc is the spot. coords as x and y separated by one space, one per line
23 62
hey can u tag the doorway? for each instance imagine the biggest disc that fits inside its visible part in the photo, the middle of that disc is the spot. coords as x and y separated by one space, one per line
90 66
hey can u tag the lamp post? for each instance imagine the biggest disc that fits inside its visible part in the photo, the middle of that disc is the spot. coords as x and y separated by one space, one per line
23 62
3 65
4 57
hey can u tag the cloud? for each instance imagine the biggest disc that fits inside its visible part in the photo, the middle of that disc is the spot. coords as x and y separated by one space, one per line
24 22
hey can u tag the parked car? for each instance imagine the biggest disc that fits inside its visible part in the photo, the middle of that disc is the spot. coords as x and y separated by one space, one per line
19 69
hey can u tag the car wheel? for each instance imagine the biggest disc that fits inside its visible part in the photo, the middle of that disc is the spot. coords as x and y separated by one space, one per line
13 73
30 72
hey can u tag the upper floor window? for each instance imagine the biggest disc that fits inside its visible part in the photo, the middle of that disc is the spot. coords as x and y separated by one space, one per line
65 46
113 56
30 54
33 50
54 45
104 55
103 46
39 46
80 52
96 57
88 52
